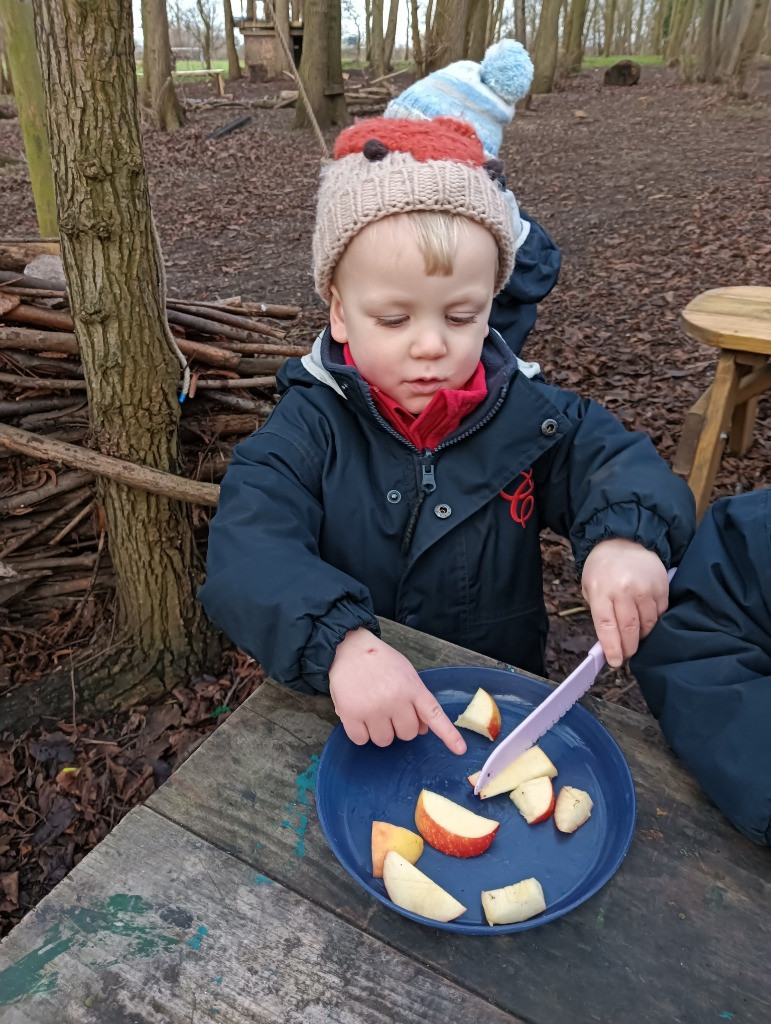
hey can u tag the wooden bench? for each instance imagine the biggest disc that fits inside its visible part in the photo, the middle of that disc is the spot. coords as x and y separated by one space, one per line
220 900
215 73
737 321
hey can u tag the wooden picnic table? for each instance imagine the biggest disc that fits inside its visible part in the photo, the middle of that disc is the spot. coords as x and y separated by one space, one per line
219 900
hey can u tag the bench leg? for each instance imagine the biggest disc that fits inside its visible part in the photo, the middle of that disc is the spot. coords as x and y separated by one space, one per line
743 421
714 432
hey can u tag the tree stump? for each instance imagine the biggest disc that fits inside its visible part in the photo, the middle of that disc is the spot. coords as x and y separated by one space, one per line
625 72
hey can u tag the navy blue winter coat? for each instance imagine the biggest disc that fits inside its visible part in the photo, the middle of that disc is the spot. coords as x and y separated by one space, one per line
535 273
705 669
328 517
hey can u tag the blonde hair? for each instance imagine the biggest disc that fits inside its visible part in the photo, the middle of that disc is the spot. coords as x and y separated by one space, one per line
437 237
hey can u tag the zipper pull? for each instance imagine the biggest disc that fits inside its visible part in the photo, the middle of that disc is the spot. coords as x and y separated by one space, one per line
428 483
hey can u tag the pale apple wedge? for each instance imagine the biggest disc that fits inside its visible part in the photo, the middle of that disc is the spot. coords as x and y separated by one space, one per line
514 903
387 837
411 890
452 829
482 716
528 766
534 799
572 809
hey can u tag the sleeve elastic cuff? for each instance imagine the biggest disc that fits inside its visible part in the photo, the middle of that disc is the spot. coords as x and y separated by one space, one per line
627 521
319 652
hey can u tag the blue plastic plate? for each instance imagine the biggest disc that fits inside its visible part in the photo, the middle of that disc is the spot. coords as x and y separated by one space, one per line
359 785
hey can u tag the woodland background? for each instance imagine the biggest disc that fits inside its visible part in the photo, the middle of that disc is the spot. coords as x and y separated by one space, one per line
654 193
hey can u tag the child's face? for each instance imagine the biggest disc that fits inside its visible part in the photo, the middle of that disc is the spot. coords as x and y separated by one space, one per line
411 334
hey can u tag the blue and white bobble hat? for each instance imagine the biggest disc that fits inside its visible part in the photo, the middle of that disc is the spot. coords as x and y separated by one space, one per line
483 94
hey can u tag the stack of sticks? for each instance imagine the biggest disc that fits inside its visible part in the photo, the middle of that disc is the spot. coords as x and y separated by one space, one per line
52 550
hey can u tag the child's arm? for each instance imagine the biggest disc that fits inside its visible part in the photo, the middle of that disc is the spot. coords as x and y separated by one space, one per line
379 696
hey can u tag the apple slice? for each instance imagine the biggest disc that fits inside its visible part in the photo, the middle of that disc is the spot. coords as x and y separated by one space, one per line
387 837
572 808
410 889
452 829
482 716
534 799
528 766
514 903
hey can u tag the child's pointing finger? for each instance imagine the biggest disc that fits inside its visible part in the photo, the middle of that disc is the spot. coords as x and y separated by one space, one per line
430 711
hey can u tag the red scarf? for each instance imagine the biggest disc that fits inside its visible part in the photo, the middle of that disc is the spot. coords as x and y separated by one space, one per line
441 416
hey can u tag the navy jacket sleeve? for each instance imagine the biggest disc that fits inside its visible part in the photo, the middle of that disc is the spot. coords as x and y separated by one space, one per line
705 669
535 273
602 481
267 587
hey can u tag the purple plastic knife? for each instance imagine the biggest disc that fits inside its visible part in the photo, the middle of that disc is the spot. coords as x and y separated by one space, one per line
549 711
543 717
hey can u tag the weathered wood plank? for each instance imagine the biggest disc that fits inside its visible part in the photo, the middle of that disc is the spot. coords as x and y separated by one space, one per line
158 927
680 933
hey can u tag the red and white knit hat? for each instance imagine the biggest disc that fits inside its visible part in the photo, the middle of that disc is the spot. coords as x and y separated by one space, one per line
385 166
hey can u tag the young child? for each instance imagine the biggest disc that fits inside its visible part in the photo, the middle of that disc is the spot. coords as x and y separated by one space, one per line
705 669
411 463
485 95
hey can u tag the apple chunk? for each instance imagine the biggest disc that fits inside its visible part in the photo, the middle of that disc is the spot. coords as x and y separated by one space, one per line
514 903
387 837
452 829
534 799
527 766
482 716
572 808
410 889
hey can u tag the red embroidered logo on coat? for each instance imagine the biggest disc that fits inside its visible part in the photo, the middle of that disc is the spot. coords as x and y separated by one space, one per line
522 502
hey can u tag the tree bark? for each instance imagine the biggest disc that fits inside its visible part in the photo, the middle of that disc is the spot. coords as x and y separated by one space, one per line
234 65
748 48
574 34
478 18
156 66
545 48
417 49
321 67
117 295
520 22
281 16
448 33
377 40
706 64
608 24
206 30
390 34
19 30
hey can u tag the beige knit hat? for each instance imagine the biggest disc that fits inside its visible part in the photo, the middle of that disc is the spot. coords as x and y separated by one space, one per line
385 166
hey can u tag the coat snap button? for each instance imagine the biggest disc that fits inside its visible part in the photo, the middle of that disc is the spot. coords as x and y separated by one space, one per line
442 511
548 427
394 497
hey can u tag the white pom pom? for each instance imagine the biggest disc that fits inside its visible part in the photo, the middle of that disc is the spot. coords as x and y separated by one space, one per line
507 70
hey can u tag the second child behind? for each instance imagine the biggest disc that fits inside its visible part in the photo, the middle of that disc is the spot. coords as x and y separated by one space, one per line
412 461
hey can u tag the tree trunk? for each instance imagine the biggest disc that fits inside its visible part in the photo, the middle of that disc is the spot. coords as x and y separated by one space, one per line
608 23
117 294
748 49
234 65
659 20
19 32
520 22
377 40
281 22
638 32
321 69
6 82
390 35
682 14
574 31
448 34
734 31
496 23
156 66
706 64
206 31
479 16
417 49
545 48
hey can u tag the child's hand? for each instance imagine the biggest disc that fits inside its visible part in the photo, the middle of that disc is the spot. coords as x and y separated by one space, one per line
627 589
378 695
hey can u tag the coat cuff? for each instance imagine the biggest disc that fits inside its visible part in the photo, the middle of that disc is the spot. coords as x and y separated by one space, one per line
625 521
319 653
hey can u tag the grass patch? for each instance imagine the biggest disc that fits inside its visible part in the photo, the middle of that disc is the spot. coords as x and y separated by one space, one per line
643 59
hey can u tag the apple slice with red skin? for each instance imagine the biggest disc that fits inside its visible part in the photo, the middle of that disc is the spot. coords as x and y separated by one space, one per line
387 837
534 799
529 765
452 829
409 888
572 809
481 715
514 903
